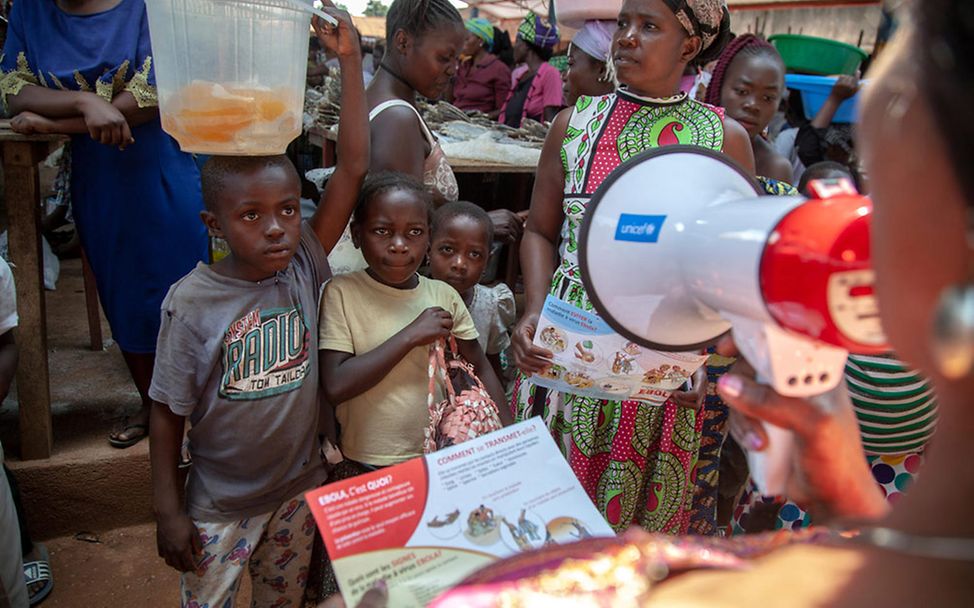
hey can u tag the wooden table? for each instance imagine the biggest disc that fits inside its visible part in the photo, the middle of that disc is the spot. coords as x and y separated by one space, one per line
460 165
326 141
21 155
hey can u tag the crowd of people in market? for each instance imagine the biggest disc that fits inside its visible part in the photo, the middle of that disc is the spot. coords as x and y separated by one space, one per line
301 356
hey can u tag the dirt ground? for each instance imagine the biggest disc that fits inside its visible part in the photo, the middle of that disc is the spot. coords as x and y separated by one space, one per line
87 485
120 570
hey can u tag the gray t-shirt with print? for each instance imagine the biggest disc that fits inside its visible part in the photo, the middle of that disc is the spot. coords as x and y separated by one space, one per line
240 359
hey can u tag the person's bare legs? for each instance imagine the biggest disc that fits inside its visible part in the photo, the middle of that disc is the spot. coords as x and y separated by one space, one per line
134 428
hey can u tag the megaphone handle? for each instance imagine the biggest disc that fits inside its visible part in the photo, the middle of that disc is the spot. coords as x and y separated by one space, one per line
771 467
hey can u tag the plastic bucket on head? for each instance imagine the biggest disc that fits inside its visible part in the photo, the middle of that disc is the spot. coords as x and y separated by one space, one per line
230 74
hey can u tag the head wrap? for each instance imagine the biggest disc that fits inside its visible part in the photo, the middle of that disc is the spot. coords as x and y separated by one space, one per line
481 28
537 31
700 17
595 39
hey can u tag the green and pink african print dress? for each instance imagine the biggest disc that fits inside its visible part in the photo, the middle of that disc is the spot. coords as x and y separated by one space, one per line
634 460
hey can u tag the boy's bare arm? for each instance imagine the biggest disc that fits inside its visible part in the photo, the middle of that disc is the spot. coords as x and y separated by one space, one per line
341 192
8 362
345 376
177 539
471 351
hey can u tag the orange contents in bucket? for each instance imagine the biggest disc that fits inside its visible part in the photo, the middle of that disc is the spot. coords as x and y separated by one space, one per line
208 113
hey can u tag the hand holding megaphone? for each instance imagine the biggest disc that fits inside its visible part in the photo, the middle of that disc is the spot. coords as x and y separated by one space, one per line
827 473
678 247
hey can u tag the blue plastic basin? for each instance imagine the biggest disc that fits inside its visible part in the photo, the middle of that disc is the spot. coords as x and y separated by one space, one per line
815 90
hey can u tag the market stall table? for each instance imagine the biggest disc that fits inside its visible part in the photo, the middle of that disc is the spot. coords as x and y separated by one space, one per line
325 140
21 154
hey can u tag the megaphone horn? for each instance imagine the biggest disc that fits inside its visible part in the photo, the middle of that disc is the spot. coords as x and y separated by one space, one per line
678 246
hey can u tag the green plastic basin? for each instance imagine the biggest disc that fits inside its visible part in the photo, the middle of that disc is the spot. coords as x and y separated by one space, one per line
811 55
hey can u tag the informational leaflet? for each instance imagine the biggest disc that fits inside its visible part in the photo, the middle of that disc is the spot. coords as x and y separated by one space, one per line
590 359
424 525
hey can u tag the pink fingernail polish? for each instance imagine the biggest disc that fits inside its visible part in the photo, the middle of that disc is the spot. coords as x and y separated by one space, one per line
730 385
753 441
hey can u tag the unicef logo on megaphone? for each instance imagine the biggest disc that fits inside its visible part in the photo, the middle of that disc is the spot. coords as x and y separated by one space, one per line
639 228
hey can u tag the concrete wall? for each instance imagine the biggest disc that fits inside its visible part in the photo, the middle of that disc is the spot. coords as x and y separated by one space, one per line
838 23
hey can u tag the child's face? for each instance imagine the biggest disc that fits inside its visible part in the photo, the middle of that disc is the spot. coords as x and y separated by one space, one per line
752 91
394 237
258 215
459 253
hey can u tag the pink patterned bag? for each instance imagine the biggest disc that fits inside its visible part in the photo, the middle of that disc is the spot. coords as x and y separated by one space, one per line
468 410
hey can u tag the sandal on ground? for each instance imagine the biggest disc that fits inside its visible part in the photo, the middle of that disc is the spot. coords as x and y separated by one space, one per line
141 432
38 576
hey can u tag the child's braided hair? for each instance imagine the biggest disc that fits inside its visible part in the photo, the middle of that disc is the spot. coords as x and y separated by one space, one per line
416 17
749 45
377 184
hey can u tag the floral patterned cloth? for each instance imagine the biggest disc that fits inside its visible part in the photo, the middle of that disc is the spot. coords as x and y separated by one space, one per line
274 548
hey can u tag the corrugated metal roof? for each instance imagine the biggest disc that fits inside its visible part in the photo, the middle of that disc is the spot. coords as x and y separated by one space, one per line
370 27
510 9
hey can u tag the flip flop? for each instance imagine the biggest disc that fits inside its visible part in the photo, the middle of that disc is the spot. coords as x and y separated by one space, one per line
39 571
124 443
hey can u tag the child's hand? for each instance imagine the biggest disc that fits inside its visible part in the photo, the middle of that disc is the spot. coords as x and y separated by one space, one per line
106 123
431 325
341 40
29 123
178 541
694 398
845 87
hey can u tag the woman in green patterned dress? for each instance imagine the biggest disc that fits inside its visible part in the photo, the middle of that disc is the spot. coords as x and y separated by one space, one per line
634 460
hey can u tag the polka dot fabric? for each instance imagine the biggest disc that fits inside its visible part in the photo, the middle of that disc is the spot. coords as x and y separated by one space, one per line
893 473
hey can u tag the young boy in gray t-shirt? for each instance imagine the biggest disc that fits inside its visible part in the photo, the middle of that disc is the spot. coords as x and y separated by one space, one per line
237 355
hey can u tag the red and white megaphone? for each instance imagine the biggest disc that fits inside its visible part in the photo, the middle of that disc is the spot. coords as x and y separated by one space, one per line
678 246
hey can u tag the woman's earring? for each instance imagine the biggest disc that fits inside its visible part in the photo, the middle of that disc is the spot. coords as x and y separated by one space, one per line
953 331
953 324
610 73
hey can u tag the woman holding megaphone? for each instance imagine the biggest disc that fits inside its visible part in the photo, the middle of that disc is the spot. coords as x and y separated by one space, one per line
919 552
634 460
